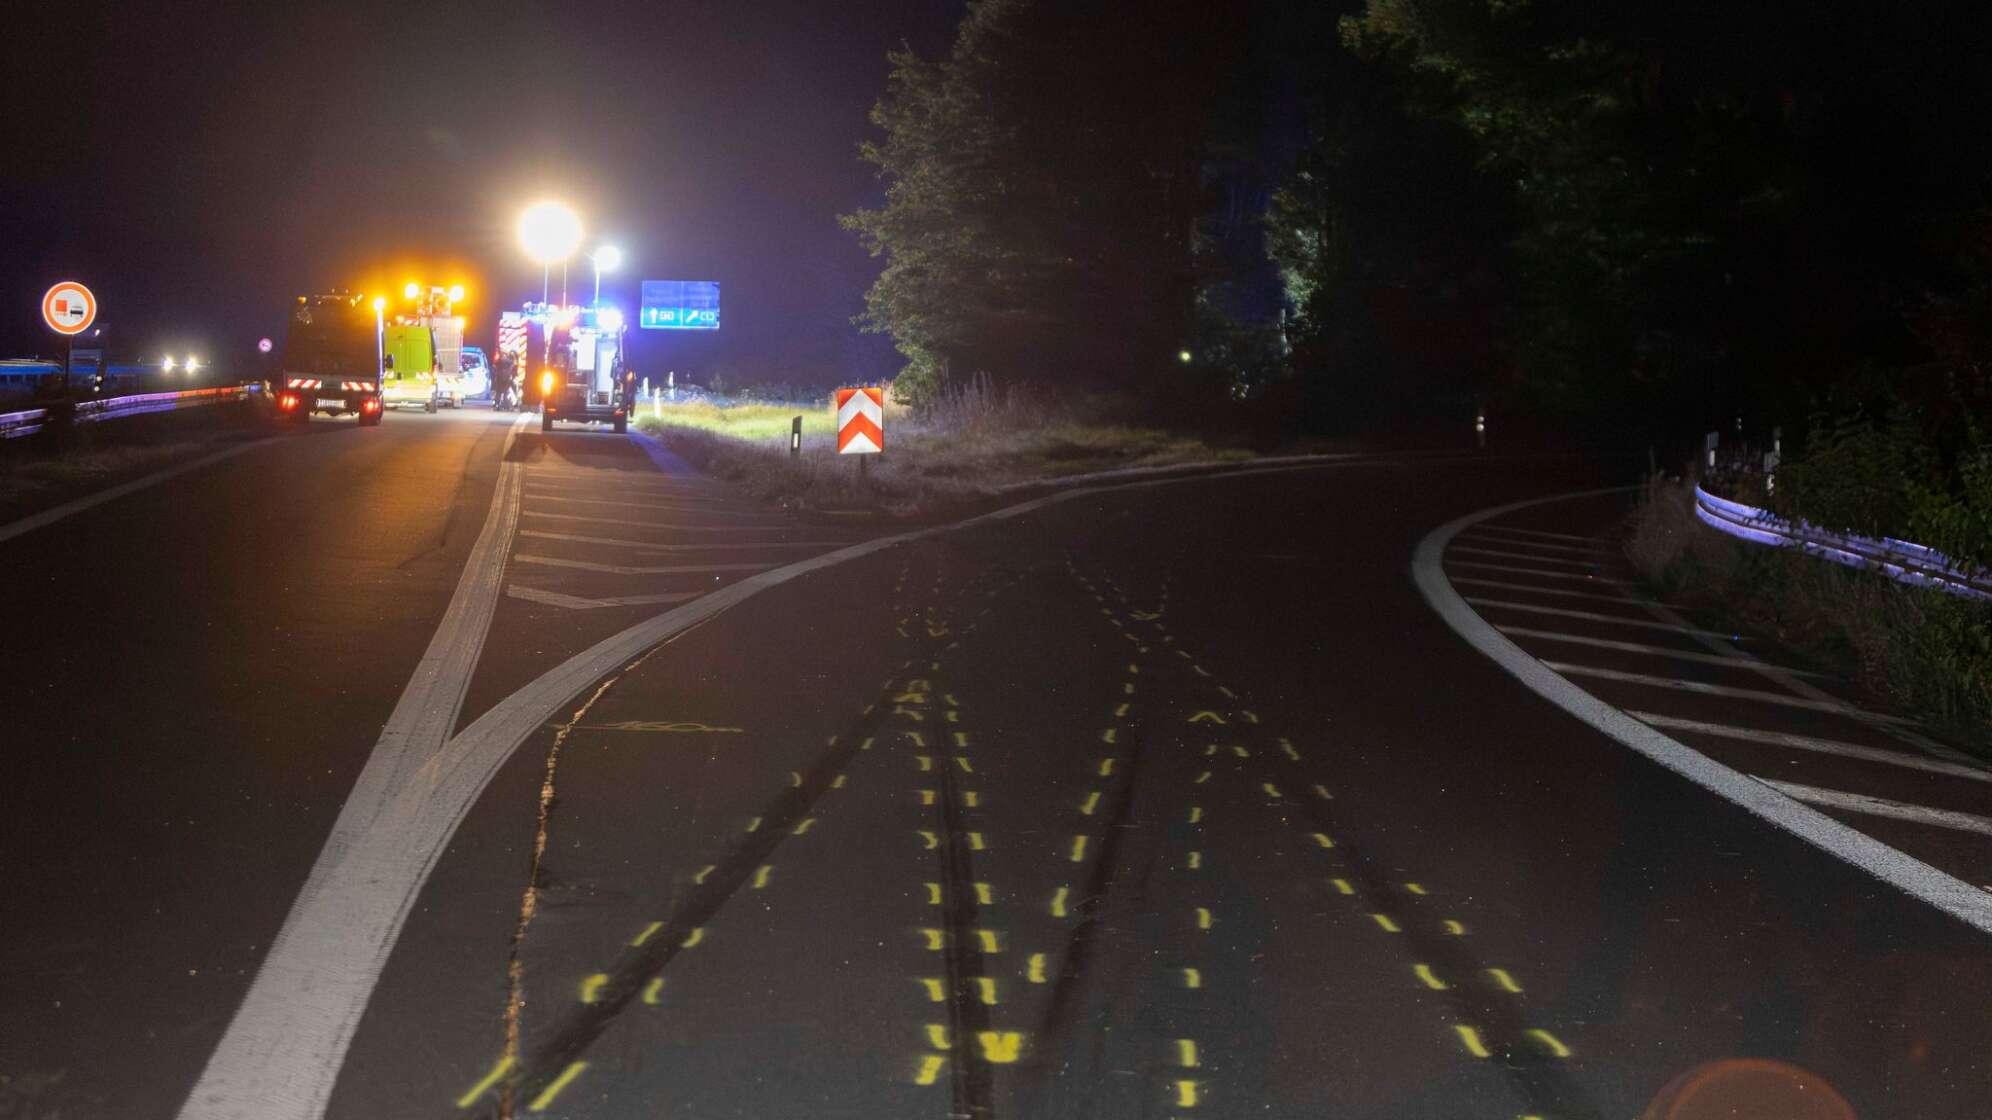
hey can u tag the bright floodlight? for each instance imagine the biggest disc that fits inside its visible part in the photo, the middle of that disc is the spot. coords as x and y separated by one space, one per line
167 365
380 303
412 290
610 319
608 258
193 363
456 293
549 232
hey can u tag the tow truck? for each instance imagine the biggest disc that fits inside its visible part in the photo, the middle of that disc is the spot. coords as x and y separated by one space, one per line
332 359
582 375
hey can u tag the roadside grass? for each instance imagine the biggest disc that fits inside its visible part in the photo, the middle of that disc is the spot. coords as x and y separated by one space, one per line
1928 653
968 447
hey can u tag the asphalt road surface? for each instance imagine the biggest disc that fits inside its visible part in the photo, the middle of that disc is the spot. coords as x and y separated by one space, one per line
1167 800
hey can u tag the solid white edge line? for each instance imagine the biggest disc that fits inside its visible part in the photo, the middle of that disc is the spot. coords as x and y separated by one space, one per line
285 1064
35 521
280 1054
1906 873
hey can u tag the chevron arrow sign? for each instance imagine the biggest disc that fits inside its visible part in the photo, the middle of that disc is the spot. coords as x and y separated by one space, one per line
860 421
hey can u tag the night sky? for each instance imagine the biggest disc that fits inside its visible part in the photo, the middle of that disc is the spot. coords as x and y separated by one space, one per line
198 165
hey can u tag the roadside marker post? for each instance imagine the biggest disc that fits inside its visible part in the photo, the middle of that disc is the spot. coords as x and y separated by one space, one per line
795 437
861 424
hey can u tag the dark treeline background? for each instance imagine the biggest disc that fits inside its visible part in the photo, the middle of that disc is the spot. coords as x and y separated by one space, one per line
1635 219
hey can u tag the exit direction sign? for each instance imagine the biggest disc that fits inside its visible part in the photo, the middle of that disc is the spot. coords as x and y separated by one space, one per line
679 305
680 318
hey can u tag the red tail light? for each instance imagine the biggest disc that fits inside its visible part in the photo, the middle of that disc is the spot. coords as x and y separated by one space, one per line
287 401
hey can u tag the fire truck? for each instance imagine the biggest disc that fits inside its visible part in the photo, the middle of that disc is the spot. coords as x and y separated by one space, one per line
332 359
578 369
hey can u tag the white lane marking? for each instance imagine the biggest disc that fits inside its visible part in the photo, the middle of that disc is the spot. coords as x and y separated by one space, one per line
1946 892
1727 661
639 570
652 546
282 1049
649 482
1588 616
1467 549
1573 577
676 525
1483 536
661 503
577 603
50 516
1534 533
1757 694
283 1063
1506 585
1882 807
1818 746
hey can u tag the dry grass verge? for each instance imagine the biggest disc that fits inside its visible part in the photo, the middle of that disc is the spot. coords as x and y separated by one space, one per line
1926 652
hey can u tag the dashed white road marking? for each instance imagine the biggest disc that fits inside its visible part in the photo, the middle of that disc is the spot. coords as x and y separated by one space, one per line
682 526
1818 746
1589 616
1589 565
1592 580
638 569
1882 807
1482 536
1756 694
1559 592
664 504
652 546
577 603
1912 876
1544 534
1726 660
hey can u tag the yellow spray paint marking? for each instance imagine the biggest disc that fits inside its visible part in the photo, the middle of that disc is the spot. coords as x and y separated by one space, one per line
866 745
910 698
930 1069
1428 978
832 741
1107 736
838 781
1035 970
1415 888
1000 1047
804 825
1321 838
545 1098
1106 767
497 1074
652 990
1201 778
937 1036
1287 747
1196 813
932 840
795 779
1207 717
971 798
986 987
1195 861
1241 752
1058 901
1192 978
650 930
1201 671
963 763
975 842
1250 716
919 684
1210 750
1384 921
910 713
1549 1040
927 796
952 716
1204 920
754 825
1186 1094
961 738
933 894
984 895
1133 669
935 993
1228 694
592 986
1506 981
924 762
1271 789
1121 712
991 940
1471 1039
1342 886
936 939
1456 928
693 938
1184 654
1127 688
1186 1053
915 737
761 874
952 702
1091 803
1321 792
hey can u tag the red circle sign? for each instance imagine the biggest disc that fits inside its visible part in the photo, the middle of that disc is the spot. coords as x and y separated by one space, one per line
69 308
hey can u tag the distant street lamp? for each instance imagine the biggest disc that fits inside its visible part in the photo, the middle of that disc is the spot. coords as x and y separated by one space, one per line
608 258
1184 356
550 232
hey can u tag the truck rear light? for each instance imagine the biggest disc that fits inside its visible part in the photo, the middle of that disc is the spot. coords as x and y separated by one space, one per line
287 401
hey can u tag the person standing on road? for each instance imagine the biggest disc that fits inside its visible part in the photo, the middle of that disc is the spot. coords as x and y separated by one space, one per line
503 399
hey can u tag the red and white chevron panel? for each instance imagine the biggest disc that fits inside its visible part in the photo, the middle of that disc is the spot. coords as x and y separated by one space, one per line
860 421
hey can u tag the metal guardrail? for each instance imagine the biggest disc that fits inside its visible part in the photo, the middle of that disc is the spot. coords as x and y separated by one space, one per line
30 421
1900 561
14 424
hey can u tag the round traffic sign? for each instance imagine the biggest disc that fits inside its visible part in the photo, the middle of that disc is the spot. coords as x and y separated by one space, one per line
263 345
69 308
